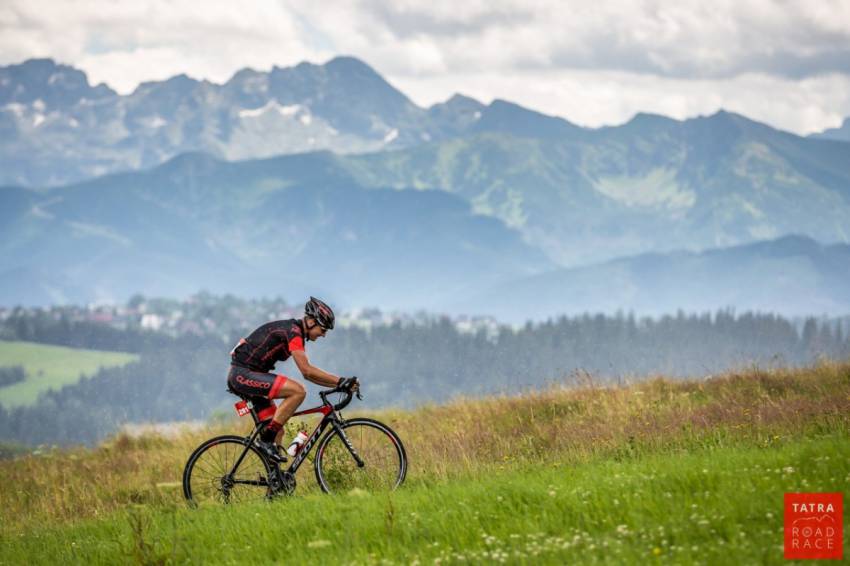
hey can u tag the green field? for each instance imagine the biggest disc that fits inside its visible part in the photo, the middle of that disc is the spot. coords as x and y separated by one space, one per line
685 472
50 367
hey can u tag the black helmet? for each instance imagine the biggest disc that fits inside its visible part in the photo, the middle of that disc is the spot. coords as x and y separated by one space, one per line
321 312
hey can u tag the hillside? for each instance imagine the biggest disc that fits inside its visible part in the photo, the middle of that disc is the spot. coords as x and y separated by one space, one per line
793 275
49 368
508 206
652 185
683 470
289 226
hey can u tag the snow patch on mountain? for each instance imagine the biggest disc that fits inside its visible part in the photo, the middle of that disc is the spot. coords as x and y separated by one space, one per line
289 111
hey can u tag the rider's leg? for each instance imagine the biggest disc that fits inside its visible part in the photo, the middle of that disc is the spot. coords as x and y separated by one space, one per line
293 394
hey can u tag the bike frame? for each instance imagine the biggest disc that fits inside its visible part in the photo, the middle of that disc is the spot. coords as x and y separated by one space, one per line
329 418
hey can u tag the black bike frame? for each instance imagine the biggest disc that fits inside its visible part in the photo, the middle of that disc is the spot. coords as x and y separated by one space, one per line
330 417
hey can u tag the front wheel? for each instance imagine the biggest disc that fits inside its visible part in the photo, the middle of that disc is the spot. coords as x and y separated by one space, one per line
377 447
226 470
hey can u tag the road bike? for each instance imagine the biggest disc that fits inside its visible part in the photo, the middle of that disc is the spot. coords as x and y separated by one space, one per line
358 453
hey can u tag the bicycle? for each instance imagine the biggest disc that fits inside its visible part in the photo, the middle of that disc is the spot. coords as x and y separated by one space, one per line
359 453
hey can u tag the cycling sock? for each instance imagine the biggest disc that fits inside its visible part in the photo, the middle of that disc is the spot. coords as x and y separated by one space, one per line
270 432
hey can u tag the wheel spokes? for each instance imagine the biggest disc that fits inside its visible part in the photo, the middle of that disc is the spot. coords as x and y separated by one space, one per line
213 480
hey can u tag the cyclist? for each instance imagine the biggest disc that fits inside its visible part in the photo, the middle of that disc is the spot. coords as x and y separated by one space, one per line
254 357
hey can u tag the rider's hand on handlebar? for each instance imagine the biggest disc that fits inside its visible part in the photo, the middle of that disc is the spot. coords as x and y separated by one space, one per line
349 384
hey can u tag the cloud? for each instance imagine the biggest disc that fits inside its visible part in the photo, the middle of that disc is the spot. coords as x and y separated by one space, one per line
686 39
594 62
124 43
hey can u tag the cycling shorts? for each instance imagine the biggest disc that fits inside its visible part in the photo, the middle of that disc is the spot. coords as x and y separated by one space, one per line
258 387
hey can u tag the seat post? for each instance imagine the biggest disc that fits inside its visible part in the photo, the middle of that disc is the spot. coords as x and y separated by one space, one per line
254 416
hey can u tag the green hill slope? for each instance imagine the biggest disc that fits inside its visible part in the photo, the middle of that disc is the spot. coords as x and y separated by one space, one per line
50 368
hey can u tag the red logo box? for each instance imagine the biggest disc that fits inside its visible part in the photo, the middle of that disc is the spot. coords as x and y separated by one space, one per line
814 526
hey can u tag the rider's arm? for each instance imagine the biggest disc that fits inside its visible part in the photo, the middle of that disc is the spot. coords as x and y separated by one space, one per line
311 372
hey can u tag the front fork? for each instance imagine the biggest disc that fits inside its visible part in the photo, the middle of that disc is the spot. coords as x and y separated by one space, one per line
341 432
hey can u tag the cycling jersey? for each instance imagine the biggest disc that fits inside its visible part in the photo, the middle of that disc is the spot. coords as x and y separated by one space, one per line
271 343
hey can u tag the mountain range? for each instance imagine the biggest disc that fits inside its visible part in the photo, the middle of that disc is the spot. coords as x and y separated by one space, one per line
181 186
301 224
56 128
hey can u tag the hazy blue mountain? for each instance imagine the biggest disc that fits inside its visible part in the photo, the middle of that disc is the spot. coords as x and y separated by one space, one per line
508 118
841 133
285 226
58 129
457 115
653 184
56 86
792 275
580 195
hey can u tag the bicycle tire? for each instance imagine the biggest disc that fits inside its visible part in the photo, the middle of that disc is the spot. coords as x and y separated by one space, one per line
204 477
379 447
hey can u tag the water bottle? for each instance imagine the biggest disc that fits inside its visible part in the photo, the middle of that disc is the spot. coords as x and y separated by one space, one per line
297 443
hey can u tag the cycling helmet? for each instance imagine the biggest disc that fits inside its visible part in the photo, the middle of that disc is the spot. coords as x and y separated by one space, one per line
321 312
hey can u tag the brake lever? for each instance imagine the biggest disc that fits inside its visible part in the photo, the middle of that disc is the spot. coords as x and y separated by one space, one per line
359 396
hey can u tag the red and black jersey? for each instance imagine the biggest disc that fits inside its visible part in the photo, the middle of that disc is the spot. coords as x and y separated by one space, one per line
271 343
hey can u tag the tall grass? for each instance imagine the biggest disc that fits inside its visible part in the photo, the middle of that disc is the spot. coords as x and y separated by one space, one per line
466 439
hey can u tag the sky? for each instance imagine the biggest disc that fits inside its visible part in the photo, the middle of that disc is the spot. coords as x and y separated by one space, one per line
786 63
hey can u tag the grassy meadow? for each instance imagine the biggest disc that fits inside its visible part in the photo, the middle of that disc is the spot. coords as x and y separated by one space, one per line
50 367
662 470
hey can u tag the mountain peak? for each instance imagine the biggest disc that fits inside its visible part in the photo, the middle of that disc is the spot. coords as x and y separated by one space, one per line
458 99
37 64
458 103
504 116
349 64
651 117
723 115
725 123
646 120
53 83
182 79
181 83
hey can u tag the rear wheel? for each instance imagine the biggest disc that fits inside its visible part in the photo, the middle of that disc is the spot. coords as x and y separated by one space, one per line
212 477
378 447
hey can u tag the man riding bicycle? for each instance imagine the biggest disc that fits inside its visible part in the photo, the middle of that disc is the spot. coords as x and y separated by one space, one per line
254 357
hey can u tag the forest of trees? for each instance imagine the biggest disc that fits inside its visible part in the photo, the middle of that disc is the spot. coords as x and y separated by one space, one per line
183 377
12 374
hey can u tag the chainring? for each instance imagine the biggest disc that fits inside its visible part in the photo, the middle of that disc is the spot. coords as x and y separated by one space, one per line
282 483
